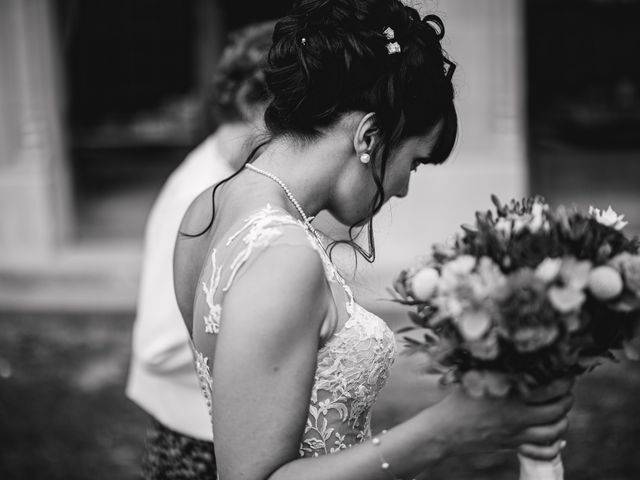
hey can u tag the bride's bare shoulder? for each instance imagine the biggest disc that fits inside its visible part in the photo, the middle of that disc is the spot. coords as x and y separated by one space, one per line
199 213
283 283
191 247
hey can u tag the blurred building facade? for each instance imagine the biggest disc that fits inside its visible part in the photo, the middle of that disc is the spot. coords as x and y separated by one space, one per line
547 95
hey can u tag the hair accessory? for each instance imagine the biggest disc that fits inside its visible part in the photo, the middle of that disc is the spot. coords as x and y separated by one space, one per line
392 47
365 158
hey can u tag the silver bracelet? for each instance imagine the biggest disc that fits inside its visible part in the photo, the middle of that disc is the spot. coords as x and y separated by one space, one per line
384 465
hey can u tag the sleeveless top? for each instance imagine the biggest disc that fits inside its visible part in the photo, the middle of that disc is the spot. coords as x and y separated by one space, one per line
352 365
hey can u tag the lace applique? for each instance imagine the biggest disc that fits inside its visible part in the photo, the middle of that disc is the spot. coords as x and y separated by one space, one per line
330 269
353 366
259 235
204 375
212 319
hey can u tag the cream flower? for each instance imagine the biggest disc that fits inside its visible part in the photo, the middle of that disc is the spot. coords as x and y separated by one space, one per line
575 273
424 284
537 220
534 221
504 226
485 348
455 272
548 269
608 217
605 283
474 324
629 266
463 265
566 299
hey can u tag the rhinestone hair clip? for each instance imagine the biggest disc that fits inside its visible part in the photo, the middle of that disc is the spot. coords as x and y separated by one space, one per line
392 47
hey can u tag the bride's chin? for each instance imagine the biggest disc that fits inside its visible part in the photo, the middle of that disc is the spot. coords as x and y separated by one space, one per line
350 218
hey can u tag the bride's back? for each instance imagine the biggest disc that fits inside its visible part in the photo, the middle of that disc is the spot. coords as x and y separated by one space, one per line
262 264
202 230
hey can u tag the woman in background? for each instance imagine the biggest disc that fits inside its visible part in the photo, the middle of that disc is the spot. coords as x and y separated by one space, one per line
162 380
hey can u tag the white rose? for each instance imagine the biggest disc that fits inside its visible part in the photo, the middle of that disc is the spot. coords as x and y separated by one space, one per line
575 273
605 283
453 307
566 299
463 265
548 269
424 284
474 324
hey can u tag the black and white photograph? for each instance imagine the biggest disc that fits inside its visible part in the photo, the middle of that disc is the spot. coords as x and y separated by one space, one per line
319 239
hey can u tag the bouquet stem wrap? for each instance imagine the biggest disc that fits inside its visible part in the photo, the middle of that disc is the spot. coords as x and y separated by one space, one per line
541 469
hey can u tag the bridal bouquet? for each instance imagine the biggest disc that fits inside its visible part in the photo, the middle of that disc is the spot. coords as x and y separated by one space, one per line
525 296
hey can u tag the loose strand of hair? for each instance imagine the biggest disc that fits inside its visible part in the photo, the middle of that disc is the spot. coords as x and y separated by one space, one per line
249 159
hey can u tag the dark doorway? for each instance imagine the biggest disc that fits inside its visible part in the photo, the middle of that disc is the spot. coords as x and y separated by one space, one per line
137 73
584 102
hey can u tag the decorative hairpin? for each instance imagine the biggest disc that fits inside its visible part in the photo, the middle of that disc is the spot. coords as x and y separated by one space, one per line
392 47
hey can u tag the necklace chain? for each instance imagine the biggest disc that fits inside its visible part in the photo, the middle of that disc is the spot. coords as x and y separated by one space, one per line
292 199
307 223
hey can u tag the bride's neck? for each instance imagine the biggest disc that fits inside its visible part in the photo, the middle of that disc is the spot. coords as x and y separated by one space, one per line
309 171
235 141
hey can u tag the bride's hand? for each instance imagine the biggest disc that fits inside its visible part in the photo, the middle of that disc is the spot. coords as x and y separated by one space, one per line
540 450
534 424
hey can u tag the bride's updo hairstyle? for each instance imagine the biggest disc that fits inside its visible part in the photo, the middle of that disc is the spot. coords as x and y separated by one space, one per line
330 57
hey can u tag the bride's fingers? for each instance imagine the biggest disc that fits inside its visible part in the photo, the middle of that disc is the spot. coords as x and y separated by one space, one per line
546 453
548 414
550 392
545 435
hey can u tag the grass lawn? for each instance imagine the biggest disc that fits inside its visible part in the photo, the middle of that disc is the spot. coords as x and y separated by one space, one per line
63 413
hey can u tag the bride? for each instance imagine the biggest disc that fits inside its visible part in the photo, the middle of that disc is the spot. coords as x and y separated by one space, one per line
289 363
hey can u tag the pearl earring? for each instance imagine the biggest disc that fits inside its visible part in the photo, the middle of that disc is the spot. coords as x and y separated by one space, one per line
365 158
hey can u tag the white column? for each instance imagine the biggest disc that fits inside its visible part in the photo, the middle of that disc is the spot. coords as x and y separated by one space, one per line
34 190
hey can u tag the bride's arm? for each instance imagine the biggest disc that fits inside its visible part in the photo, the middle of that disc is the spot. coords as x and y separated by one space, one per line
265 359
263 372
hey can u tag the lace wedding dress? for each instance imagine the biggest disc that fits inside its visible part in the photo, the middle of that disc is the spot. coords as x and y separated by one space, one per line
352 364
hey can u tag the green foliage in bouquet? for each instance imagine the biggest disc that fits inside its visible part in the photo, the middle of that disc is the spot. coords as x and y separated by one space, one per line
525 295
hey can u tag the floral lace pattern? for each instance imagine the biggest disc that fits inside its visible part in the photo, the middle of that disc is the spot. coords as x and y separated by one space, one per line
212 319
352 368
204 374
353 364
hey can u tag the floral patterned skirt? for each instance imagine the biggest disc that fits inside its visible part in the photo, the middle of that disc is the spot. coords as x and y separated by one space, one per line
171 455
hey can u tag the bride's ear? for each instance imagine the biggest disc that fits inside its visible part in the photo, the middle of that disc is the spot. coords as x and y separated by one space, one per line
366 134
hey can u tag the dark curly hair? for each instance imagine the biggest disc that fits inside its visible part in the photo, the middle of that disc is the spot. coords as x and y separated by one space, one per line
330 57
239 84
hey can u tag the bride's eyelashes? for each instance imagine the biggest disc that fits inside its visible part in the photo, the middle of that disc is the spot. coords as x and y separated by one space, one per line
420 161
